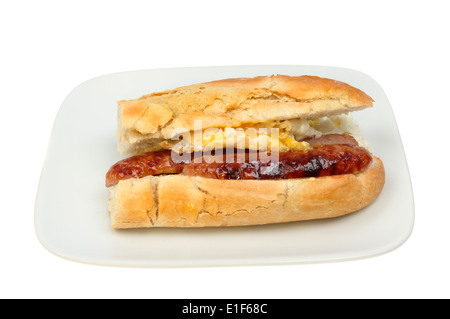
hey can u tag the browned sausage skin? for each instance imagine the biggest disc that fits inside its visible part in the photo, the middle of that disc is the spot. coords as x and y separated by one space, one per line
323 159
154 163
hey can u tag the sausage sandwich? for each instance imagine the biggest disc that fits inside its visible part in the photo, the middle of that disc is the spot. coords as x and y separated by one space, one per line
242 151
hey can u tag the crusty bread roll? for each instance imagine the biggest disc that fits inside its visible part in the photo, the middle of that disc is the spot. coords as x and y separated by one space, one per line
185 201
152 122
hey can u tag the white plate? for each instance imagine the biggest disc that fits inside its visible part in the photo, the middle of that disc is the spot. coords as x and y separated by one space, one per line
72 221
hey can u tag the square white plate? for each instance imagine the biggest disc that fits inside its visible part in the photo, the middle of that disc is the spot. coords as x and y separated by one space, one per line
72 220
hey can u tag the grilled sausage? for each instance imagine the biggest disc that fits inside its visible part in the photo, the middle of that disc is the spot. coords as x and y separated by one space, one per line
321 160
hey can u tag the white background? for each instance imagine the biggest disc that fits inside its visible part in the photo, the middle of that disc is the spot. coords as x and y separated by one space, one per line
49 47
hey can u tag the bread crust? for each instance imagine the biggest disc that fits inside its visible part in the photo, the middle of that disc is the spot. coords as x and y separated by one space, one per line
186 201
231 103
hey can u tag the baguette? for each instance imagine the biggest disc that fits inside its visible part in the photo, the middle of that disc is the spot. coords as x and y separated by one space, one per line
147 123
307 108
184 201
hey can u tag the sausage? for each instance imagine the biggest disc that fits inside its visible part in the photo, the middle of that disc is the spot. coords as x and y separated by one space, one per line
324 160
320 160
138 166
332 139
